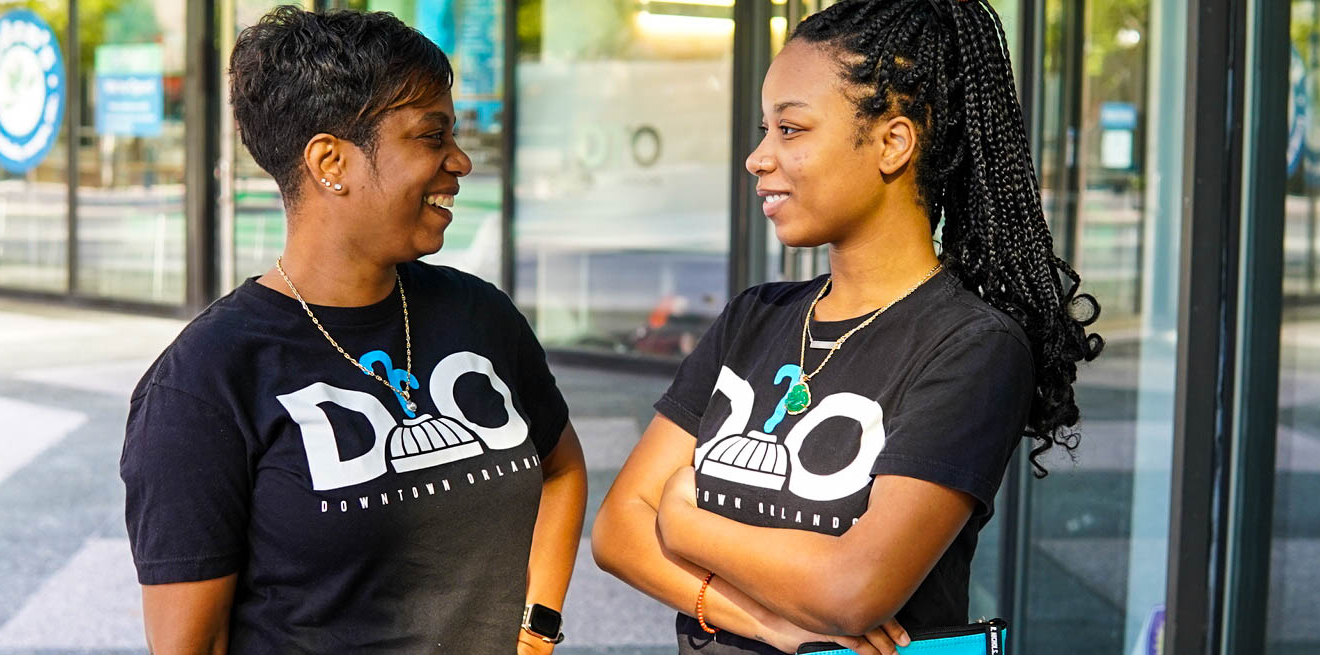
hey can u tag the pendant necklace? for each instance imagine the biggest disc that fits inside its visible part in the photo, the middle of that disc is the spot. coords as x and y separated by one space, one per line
798 398
407 337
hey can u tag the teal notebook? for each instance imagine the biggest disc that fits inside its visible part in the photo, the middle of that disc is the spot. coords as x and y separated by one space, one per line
975 639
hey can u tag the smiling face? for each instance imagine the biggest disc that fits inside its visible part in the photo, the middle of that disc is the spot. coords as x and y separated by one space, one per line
398 208
820 177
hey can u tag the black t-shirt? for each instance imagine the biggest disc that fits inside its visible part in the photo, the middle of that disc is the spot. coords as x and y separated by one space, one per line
937 388
355 525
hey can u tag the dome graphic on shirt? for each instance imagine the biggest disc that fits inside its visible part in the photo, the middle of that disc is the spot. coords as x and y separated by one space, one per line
423 442
753 459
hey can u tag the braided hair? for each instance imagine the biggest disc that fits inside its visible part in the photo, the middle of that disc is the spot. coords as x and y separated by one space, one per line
944 65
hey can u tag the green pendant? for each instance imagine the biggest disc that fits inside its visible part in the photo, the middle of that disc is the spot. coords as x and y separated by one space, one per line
798 398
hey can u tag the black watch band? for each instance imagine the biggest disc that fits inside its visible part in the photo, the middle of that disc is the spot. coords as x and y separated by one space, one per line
543 622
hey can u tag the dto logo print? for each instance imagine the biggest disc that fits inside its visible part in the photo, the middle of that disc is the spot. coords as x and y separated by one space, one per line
759 459
416 443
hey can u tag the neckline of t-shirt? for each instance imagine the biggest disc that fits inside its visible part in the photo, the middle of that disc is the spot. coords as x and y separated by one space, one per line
389 307
834 329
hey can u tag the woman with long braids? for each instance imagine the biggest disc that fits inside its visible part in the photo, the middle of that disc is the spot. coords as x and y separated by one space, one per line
824 460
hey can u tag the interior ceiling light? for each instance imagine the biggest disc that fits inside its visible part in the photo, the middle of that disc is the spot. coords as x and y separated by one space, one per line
677 25
688 8
711 18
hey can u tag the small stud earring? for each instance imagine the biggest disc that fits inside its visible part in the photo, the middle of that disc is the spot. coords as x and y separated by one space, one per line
325 182
339 187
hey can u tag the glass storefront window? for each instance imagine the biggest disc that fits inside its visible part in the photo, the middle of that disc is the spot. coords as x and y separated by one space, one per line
1295 555
33 146
1110 157
131 151
622 180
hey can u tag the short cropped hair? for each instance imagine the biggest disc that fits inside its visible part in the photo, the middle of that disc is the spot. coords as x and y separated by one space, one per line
296 74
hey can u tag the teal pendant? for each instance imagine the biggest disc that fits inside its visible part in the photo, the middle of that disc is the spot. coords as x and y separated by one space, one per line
798 398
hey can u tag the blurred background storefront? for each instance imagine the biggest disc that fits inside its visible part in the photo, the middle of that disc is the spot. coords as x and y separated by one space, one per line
1178 149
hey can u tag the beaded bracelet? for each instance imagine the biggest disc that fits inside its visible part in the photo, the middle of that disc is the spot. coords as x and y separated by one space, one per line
701 601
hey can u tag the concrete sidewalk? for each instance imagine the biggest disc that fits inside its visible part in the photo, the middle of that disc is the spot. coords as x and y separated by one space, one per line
67 583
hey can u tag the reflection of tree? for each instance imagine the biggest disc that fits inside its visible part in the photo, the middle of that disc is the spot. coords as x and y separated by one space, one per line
55 15
1304 23
1116 68
132 21
529 28
102 22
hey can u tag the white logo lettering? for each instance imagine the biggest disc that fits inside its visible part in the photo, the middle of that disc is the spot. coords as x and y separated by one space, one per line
447 372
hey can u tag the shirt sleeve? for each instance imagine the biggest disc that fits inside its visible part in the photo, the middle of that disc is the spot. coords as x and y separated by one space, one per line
540 396
686 399
958 422
188 483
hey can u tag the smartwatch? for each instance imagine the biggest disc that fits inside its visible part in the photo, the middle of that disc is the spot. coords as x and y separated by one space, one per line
543 622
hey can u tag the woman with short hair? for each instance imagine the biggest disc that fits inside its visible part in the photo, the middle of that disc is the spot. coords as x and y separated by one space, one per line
355 452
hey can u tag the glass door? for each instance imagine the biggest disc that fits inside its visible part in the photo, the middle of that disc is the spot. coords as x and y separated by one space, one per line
622 172
1295 556
1110 159
130 151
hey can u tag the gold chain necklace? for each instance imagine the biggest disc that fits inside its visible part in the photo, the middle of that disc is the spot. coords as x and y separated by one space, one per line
407 336
798 398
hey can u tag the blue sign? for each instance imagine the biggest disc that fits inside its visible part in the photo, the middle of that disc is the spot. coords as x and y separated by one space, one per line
1118 124
435 19
477 51
1118 116
471 33
31 90
479 57
130 89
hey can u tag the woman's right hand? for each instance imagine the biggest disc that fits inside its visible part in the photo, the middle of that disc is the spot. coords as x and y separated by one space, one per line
787 637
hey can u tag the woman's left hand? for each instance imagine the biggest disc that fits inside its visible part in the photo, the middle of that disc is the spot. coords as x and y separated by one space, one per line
888 637
679 496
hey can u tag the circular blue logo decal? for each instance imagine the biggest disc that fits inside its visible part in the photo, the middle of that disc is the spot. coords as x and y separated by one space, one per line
31 90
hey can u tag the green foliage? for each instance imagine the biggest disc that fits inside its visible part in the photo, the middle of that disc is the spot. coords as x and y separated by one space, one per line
529 27
1114 70
102 22
54 14
1305 21
1117 70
